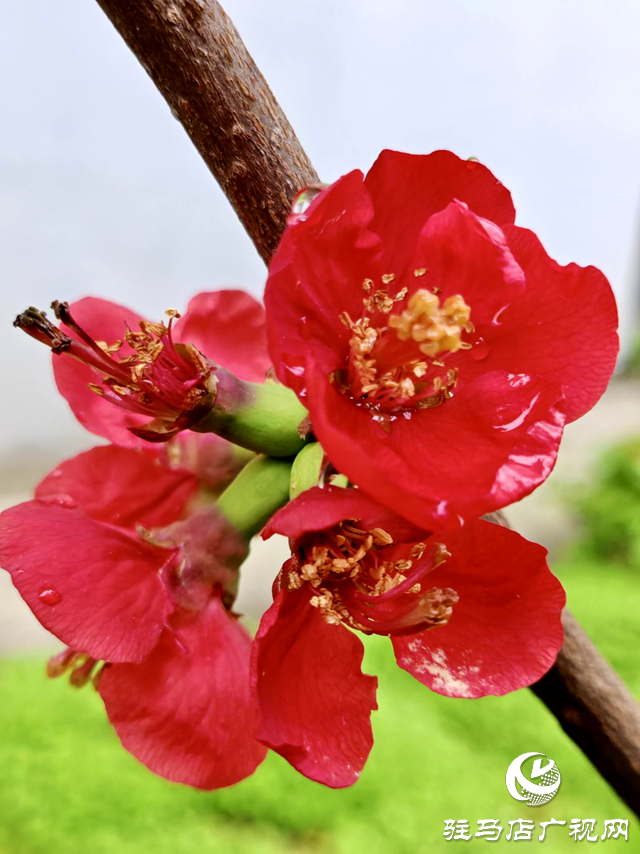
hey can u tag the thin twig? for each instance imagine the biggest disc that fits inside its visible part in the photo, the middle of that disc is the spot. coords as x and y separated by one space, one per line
197 60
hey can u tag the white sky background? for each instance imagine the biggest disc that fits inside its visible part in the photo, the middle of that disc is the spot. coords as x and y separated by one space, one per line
103 193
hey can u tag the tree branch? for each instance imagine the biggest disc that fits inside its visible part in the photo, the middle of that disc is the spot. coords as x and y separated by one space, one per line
197 60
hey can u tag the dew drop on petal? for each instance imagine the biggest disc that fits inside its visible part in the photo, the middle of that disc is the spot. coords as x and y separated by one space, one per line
384 422
49 596
304 198
301 203
65 501
479 349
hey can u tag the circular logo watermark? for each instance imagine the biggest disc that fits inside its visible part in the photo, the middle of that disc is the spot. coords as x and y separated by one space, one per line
539 785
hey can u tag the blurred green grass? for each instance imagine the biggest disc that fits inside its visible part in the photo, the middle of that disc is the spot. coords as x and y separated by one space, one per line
66 786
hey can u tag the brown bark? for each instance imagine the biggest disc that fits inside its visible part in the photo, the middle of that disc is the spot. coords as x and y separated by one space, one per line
198 62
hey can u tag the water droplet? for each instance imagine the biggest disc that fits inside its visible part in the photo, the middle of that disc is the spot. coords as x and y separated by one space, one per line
49 596
304 199
65 501
480 349
303 329
302 202
384 421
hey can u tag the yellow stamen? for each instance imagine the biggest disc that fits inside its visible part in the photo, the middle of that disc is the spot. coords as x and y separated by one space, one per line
109 348
435 328
436 605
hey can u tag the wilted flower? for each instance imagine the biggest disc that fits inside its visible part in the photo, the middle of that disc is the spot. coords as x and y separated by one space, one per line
131 380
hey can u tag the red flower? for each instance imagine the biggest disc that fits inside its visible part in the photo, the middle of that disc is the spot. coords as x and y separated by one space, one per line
107 563
438 348
127 370
475 611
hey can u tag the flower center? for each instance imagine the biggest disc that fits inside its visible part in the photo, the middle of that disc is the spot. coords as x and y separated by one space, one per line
357 582
159 379
396 361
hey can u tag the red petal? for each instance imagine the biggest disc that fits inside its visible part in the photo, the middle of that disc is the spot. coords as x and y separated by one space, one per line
407 189
314 700
229 328
103 321
316 275
123 486
187 712
505 429
463 257
318 509
95 587
505 631
562 328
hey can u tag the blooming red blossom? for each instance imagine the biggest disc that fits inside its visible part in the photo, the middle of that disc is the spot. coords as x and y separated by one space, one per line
471 612
109 561
132 380
437 347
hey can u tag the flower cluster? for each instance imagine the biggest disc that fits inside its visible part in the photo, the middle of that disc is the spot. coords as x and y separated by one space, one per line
413 369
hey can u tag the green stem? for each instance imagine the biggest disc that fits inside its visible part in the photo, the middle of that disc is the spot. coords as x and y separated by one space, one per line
261 488
263 417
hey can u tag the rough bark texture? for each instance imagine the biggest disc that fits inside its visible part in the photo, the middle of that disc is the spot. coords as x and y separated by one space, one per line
194 55
200 65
